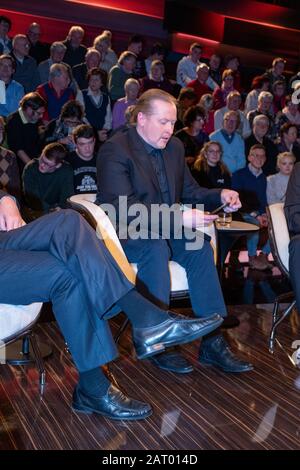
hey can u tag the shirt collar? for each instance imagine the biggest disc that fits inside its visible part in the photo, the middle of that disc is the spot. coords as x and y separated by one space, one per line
254 171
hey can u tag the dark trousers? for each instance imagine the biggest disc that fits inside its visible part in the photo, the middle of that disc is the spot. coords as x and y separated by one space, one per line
153 279
58 258
294 267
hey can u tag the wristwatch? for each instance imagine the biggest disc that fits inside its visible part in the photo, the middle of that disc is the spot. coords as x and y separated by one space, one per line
254 214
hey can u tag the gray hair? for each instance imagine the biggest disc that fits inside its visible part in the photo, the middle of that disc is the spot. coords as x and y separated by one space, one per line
56 70
57 46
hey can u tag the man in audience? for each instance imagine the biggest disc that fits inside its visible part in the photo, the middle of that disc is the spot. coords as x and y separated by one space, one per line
83 160
187 67
233 103
48 180
200 84
26 71
38 50
23 135
119 73
259 136
5 41
76 51
56 92
59 258
251 183
232 143
92 60
57 53
264 106
14 91
135 46
146 165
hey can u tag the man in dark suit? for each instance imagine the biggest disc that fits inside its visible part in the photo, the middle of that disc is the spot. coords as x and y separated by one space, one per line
59 258
292 213
146 165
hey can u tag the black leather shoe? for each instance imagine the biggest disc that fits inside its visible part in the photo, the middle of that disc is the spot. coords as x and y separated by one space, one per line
172 361
177 329
215 351
114 405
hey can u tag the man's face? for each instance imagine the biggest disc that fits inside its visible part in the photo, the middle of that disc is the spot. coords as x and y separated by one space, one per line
76 38
32 115
279 68
85 147
234 103
257 158
57 56
6 70
22 46
4 28
129 64
196 54
92 60
260 128
48 166
157 128
291 135
202 74
136 47
62 81
132 91
34 34
214 62
230 123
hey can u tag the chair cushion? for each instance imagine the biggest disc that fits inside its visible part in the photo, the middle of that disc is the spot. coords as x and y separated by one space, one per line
15 318
281 233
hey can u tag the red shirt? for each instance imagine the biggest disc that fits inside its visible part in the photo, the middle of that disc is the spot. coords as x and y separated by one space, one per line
199 88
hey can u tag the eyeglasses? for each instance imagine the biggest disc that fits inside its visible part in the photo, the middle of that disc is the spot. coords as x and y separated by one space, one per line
46 164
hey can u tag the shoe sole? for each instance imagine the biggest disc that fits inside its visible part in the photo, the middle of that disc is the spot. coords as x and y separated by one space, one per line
160 347
169 369
89 411
214 364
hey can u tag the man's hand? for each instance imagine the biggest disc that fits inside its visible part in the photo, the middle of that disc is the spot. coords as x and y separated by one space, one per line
232 199
193 218
10 217
263 220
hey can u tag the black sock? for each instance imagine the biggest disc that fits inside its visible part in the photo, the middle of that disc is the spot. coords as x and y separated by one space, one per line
94 382
140 311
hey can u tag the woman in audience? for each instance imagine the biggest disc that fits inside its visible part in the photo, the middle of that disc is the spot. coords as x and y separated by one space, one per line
97 104
60 130
208 170
259 83
192 135
220 94
108 57
277 184
207 103
132 88
157 78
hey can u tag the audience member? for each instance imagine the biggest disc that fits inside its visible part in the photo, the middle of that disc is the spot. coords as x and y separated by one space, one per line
76 51
233 103
23 133
208 170
135 45
5 41
132 88
207 103
108 58
92 60
288 140
251 183
57 53
26 71
259 136
220 94
47 181
277 184
276 72
199 85
14 91
259 83
157 78
119 73
157 53
232 143
38 50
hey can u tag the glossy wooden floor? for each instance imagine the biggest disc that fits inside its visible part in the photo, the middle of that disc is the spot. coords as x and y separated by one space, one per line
206 409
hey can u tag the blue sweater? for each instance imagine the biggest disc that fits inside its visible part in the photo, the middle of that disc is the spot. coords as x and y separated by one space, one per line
252 190
233 150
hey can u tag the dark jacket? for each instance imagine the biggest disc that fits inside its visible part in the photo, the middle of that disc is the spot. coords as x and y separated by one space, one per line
124 169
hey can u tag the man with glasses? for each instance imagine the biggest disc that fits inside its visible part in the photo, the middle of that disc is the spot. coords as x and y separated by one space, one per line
38 50
26 67
232 143
23 135
48 181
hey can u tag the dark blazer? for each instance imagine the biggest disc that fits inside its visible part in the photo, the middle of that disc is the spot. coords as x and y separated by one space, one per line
292 201
124 169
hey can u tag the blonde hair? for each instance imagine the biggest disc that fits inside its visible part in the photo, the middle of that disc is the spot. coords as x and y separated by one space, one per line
144 103
281 156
